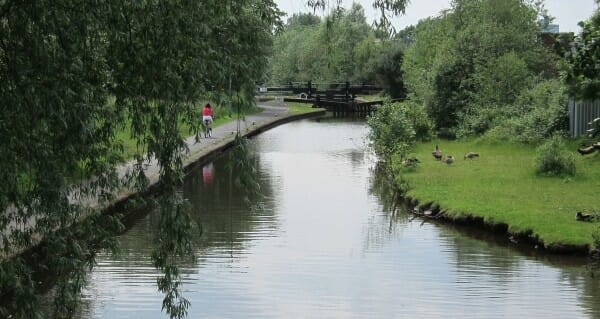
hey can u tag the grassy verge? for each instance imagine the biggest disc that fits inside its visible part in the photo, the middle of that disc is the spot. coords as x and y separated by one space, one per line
502 187
130 145
301 108
372 97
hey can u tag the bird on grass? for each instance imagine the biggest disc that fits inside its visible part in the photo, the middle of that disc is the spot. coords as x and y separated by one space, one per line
437 153
471 155
583 217
448 160
411 162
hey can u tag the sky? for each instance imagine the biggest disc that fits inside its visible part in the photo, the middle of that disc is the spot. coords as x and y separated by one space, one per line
567 13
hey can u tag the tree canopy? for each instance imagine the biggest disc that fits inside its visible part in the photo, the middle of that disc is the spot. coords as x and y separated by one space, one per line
583 74
470 65
75 72
341 47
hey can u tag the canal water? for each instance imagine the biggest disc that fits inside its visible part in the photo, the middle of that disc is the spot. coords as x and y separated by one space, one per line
321 242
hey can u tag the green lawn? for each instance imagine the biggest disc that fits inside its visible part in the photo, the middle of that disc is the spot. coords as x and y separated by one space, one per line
372 97
130 147
301 108
502 187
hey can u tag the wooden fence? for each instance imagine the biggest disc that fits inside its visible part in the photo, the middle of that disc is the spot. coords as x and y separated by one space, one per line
580 114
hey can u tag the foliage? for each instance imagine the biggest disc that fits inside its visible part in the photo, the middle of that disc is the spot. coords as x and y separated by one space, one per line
336 49
246 181
596 236
423 66
65 257
536 115
391 131
583 75
386 8
419 120
387 69
61 60
472 62
173 245
342 47
552 159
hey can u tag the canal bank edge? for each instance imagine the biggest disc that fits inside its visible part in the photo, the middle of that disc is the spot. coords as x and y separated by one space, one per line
199 154
527 238
203 156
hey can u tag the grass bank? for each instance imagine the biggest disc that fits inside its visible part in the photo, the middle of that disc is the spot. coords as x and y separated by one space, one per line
301 108
501 186
130 147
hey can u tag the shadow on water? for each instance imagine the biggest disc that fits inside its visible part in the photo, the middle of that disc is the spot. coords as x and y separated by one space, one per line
237 186
59 267
166 229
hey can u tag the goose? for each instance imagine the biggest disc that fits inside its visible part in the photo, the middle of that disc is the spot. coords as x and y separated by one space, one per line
437 153
583 217
471 155
411 161
449 159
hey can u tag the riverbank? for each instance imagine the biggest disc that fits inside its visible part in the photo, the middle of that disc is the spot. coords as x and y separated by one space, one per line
500 191
273 113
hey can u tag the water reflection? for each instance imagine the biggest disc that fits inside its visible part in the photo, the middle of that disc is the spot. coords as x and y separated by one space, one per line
208 172
322 242
484 271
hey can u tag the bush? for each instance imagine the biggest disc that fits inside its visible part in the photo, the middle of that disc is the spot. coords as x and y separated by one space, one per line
478 120
553 159
596 237
421 123
537 114
392 132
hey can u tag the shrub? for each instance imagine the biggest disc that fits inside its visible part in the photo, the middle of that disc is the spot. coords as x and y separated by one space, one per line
553 159
596 237
478 120
392 132
421 123
537 114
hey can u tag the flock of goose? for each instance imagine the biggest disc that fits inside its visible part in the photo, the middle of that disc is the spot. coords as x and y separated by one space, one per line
449 159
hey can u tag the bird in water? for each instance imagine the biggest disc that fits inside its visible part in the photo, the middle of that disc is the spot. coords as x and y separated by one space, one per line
448 160
471 155
437 153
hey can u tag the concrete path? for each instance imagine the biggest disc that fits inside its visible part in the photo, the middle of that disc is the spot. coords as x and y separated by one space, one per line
274 113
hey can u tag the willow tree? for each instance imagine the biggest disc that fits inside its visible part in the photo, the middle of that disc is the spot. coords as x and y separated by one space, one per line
387 9
75 72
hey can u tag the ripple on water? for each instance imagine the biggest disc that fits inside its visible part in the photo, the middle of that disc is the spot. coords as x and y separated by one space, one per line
321 246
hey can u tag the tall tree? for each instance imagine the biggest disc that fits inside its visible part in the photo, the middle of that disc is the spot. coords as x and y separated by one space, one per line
469 65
